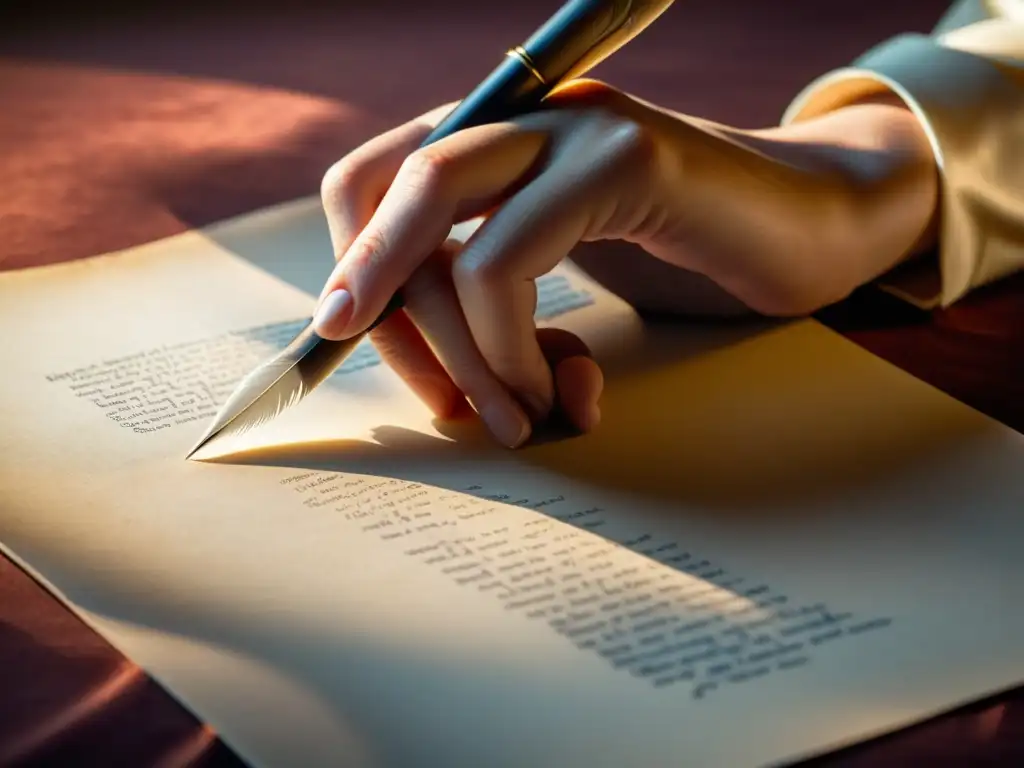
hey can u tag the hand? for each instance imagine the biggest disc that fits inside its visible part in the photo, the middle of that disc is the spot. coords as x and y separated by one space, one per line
781 221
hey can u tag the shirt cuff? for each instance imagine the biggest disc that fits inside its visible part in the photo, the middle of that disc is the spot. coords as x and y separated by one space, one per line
966 103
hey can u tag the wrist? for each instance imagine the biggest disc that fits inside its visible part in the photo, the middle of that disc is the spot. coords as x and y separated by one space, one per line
884 165
831 204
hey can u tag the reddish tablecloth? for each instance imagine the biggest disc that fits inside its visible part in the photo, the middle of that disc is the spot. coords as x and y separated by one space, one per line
121 127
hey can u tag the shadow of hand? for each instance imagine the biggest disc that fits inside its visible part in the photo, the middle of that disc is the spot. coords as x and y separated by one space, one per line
744 422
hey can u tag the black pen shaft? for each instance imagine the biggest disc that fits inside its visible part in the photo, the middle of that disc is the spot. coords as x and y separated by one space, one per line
512 89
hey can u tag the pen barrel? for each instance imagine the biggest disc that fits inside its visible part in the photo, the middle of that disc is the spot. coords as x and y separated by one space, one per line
578 37
513 88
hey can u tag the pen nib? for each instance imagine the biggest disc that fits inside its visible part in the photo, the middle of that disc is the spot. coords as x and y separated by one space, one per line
277 384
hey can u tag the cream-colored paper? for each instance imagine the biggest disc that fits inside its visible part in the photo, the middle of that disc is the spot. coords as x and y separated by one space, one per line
775 545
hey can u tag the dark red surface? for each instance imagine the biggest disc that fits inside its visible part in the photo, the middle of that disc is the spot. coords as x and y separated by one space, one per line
118 129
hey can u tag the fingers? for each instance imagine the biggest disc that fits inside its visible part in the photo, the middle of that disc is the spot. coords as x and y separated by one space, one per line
432 312
579 380
450 181
589 189
494 274
353 187
545 189
494 277
403 348
432 304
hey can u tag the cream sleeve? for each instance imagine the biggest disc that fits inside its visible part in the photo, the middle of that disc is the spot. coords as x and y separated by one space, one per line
965 82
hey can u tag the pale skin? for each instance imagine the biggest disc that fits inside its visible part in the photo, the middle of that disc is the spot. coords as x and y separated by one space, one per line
673 213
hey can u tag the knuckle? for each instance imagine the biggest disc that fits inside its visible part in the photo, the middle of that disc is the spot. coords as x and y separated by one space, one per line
628 139
425 172
476 268
598 116
366 250
339 182
623 139
633 141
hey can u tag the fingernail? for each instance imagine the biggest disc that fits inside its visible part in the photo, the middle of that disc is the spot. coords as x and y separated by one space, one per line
508 425
333 314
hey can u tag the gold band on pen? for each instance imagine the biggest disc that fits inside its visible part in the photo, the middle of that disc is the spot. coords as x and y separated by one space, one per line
520 53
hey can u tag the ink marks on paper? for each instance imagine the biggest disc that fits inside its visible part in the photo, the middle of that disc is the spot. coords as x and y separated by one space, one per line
648 607
556 295
165 387
174 385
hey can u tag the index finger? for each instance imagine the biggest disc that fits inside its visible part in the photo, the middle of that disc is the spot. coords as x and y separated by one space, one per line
454 180
353 187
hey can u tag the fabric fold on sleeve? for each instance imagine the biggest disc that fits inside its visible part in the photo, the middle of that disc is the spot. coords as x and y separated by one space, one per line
966 87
